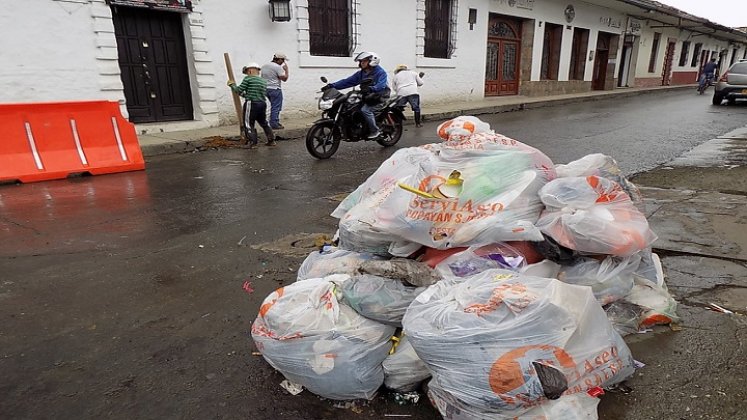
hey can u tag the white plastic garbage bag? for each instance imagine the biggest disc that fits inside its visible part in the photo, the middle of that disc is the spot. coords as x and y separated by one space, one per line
610 279
660 307
603 166
504 342
403 369
332 260
304 332
593 215
467 197
475 188
379 298
402 163
579 406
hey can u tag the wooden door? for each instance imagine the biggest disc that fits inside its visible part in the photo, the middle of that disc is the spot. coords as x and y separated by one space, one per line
502 59
602 55
153 61
666 73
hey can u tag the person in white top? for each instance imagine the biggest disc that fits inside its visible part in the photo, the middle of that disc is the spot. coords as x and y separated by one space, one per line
275 72
405 84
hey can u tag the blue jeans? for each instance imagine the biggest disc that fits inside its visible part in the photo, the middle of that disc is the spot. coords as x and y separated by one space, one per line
368 114
276 104
414 101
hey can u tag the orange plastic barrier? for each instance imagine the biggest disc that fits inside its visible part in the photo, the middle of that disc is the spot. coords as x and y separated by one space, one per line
44 141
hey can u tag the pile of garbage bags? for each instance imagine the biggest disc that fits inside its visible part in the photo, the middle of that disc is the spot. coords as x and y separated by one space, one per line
481 271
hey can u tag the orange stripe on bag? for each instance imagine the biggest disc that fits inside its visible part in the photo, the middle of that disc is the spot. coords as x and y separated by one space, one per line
267 306
507 373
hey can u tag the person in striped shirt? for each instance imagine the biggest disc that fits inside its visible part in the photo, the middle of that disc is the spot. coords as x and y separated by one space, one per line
254 89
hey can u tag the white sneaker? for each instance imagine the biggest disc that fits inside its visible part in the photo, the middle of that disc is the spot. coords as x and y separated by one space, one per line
374 135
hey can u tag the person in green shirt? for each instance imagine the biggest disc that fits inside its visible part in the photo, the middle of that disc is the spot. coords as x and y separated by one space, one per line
254 90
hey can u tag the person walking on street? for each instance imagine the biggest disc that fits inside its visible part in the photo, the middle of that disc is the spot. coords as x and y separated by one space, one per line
275 72
374 87
405 84
254 89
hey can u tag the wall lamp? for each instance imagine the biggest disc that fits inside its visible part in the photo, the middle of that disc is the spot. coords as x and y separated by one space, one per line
280 10
472 18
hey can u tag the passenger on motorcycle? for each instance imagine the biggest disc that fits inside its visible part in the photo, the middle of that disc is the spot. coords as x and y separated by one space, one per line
709 70
374 93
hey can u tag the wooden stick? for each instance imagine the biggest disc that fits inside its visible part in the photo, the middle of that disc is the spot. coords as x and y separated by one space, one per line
236 99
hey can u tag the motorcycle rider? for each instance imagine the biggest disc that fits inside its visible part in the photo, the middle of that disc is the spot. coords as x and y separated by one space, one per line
709 70
374 93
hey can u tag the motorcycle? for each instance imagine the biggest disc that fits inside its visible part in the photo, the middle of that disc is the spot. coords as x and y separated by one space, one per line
342 120
705 82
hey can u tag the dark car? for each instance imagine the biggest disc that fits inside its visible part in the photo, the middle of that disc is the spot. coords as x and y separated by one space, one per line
732 85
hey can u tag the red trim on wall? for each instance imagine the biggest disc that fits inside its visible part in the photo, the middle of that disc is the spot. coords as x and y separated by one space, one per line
647 81
684 77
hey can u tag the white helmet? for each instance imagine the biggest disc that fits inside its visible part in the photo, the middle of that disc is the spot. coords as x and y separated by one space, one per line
373 58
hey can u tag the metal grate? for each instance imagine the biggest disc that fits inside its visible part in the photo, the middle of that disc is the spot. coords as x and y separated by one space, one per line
330 28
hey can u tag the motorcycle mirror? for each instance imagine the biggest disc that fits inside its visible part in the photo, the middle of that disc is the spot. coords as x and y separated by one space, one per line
323 79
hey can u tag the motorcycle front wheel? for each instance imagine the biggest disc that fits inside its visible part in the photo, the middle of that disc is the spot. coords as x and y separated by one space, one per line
321 141
391 131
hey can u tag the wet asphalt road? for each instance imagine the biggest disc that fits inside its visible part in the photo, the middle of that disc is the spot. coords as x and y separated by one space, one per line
121 296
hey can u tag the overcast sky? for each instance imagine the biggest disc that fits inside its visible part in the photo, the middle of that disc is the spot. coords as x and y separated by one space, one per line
726 12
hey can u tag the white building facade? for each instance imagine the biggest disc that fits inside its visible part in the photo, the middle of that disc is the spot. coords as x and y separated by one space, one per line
163 60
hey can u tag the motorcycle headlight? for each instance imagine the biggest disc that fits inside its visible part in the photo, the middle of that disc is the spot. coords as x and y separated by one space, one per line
325 105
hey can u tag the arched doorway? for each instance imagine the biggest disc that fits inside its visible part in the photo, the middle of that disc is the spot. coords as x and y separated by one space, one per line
503 53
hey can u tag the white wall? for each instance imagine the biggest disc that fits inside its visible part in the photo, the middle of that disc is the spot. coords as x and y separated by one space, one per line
65 49
47 52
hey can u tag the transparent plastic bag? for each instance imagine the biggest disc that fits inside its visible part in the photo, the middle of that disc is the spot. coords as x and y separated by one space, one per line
479 337
593 215
379 298
466 199
403 369
603 166
579 406
477 259
660 306
304 332
332 260
610 279
625 317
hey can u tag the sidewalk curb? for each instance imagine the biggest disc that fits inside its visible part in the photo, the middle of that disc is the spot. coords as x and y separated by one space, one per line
169 146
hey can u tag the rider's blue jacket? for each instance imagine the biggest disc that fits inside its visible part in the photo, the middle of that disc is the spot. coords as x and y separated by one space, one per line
377 73
709 68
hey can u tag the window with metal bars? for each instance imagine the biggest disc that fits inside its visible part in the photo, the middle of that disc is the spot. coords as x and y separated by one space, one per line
684 53
440 27
696 53
330 28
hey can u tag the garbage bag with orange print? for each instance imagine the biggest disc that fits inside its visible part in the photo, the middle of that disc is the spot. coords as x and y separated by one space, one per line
469 196
502 343
568 407
476 187
602 166
593 215
306 333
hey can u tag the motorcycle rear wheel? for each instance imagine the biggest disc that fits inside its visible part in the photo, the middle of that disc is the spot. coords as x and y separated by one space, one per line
321 141
391 132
